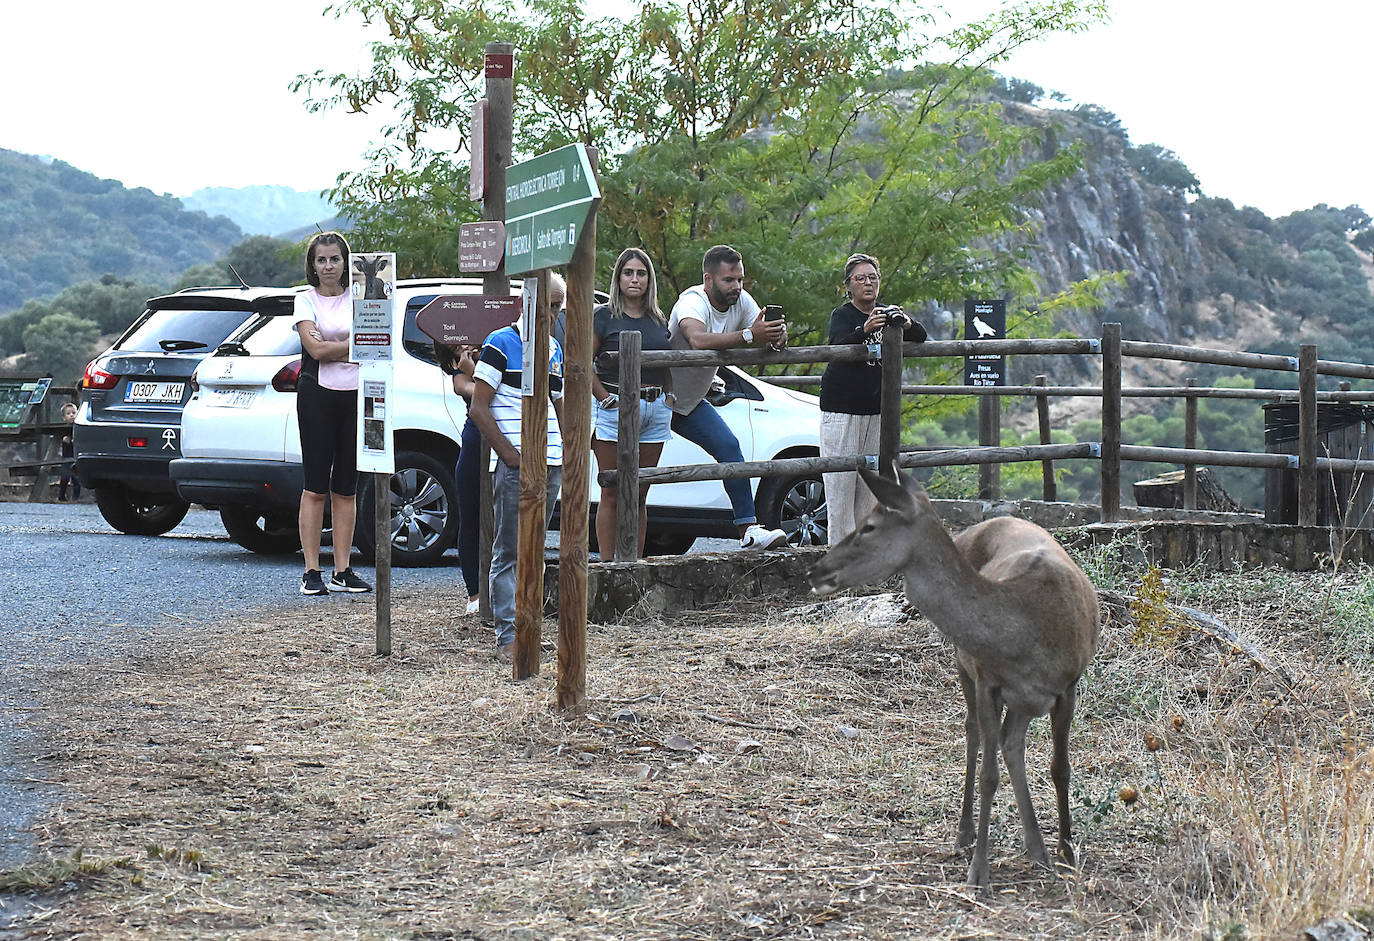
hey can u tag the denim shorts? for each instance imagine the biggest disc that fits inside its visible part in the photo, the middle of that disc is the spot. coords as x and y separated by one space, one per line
655 419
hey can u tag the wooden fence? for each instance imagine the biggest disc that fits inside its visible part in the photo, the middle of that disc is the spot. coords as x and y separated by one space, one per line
1108 450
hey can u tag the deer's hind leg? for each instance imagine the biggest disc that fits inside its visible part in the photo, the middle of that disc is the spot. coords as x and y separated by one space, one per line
1014 751
1061 717
964 837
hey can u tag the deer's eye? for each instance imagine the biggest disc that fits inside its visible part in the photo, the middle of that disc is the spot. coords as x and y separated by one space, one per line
867 528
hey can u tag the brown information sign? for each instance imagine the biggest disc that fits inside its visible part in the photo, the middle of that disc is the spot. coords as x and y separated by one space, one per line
499 65
466 319
481 246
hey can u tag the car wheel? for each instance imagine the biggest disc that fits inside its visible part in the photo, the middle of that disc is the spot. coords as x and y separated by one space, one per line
667 542
140 514
265 534
424 511
796 505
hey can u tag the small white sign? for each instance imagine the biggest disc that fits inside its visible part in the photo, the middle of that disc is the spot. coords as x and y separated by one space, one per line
373 279
375 452
530 298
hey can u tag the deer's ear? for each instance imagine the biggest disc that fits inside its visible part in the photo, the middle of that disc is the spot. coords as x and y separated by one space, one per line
357 264
381 264
911 485
889 492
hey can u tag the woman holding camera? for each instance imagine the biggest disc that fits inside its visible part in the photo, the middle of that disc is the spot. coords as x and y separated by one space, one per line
633 306
851 393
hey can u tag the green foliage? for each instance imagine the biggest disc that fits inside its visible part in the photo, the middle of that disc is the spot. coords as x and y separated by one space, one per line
110 303
61 226
1163 168
796 131
60 345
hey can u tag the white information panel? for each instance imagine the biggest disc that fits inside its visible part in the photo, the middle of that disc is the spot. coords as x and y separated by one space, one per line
530 298
371 343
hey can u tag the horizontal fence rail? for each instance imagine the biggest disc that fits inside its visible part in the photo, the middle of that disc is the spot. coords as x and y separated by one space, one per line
1110 451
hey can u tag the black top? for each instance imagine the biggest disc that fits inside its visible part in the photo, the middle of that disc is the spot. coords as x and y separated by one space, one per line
856 388
607 329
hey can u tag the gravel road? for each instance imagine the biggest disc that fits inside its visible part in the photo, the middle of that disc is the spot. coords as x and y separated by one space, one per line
76 590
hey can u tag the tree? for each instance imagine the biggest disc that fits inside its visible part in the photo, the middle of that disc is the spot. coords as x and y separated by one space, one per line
797 130
60 345
1163 168
264 260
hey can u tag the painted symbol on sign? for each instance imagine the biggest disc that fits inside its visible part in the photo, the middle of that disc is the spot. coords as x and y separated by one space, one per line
169 439
983 329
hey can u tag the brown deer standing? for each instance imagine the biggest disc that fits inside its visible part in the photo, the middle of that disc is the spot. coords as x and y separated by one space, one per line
1023 619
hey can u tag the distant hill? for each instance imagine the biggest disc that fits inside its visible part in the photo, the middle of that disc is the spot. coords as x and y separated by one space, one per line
263 210
60 226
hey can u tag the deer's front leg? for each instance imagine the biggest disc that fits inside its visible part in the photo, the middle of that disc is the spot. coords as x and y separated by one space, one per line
989 720
964 837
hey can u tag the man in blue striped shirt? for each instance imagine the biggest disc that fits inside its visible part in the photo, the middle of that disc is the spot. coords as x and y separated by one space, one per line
496 403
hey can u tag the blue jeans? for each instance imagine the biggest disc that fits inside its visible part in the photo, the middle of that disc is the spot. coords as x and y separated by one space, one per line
506 505
704 427
467 477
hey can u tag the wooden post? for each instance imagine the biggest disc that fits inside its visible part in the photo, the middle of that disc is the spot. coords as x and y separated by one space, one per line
1307 435
500 92
627 451
534 476
1190 443
571 685
890 417
1111 422
989 436
381 558
1042 412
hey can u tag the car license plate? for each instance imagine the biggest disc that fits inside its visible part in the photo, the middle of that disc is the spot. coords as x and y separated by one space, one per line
164 392
231 398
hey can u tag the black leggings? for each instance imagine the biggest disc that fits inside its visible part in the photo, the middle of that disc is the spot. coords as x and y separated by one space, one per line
328 420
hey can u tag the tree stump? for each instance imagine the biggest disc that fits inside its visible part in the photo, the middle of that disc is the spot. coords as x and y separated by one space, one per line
1166 491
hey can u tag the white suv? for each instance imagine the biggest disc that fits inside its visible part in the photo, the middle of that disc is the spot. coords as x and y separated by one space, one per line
241 447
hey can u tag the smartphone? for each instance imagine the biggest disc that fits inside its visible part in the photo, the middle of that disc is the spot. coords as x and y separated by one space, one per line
772 312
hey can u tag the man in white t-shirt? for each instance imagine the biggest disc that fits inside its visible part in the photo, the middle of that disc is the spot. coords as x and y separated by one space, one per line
719 314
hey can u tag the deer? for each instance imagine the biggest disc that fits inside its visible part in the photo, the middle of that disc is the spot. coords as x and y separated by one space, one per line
1024 622
370 268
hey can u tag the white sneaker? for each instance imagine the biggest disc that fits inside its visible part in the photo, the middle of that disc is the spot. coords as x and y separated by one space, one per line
756 537
473 605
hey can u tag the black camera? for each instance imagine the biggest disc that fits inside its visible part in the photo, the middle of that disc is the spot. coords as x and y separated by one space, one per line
895 315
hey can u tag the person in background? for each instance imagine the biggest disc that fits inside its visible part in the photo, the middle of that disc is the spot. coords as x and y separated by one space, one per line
633 306
558 303
851 393
327 413
68 469
461 365
719 314
496 403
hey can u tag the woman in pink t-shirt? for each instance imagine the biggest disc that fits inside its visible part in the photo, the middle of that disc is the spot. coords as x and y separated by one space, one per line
327 414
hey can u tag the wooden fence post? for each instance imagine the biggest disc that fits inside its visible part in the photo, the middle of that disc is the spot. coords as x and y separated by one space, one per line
626 547
1111 422
989 436
1190 442
1042 412
1307 435
890 417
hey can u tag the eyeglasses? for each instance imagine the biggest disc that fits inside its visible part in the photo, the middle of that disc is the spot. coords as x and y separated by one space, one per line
865 278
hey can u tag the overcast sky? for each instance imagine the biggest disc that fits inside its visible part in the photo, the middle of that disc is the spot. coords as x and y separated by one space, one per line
1262 99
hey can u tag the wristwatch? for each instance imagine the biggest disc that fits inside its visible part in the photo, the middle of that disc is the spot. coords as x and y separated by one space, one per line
748 336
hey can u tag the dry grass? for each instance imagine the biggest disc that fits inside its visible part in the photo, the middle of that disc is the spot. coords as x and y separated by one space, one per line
756 772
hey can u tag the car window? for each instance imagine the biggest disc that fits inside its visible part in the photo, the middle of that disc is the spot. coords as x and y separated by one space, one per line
416 342
182 330
271 336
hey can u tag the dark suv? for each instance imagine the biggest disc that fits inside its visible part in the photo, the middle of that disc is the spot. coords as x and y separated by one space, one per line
129 426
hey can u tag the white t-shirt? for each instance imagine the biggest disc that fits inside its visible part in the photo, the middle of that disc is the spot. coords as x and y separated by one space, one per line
691 383
334 316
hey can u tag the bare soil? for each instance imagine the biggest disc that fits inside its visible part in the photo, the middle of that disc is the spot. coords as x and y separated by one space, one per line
756 772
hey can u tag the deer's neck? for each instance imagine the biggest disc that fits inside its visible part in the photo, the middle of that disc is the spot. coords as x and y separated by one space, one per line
947 589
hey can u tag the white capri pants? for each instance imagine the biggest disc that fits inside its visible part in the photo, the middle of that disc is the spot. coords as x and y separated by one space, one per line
847 498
